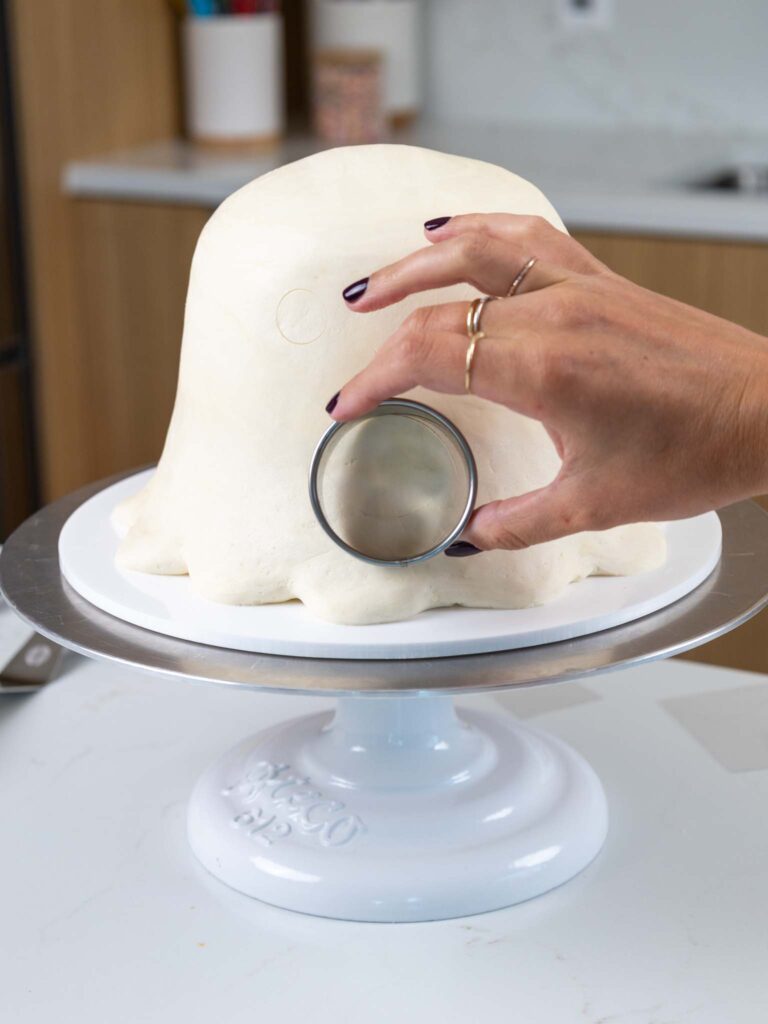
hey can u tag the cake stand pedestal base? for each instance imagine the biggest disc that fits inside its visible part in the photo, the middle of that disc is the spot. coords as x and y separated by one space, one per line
397 809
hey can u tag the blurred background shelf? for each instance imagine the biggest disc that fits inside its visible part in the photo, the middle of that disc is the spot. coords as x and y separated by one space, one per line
612 179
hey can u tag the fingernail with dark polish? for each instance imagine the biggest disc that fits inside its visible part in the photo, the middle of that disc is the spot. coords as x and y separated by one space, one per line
461 549
333 403
433 225
353 291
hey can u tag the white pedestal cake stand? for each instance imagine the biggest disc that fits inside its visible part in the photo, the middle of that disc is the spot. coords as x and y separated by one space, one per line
395 807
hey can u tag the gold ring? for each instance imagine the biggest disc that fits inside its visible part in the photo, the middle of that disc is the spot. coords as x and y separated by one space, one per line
474 313
521 277
477 336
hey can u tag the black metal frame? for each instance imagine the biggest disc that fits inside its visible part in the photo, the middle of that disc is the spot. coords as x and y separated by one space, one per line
19 353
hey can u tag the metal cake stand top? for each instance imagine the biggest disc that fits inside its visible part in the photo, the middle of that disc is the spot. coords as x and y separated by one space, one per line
32 583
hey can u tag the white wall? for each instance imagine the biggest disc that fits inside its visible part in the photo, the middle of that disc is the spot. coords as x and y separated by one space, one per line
676 63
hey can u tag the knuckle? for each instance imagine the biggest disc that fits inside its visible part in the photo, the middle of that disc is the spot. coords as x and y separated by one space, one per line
418 320
558 370
408 348
426 320
502 531
573 308
411 324
589 517
532 225
583 510
473 246
509 539
414 336
573 518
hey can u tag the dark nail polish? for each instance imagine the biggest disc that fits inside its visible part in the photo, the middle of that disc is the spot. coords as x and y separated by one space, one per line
333 403
433 225
353 291
461 549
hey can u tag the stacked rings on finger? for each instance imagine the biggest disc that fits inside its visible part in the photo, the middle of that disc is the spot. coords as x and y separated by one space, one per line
521 275
474 313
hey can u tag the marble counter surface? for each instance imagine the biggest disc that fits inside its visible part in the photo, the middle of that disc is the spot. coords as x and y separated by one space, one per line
602 179
106 915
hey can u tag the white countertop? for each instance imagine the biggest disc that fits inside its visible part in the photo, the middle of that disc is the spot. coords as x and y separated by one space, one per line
601 179
106 916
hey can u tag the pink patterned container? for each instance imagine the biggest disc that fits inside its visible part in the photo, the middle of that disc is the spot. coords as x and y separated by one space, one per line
348 96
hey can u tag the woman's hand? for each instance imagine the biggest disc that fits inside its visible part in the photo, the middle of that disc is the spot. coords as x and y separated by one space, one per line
658 410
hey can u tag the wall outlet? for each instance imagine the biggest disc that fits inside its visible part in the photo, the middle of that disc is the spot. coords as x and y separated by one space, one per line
585 14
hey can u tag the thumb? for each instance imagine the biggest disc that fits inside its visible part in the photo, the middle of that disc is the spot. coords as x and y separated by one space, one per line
541 515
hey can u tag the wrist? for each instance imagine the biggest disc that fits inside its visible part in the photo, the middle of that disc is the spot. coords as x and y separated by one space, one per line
754 415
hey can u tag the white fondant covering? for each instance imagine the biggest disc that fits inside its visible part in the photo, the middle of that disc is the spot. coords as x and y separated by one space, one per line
268 340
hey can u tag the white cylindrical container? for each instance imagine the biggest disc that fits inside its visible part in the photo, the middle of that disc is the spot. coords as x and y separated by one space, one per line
233 71
391 26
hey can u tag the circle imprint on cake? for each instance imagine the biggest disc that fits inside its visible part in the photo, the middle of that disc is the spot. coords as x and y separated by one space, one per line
301 317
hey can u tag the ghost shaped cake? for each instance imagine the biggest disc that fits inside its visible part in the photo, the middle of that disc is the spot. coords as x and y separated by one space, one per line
267 340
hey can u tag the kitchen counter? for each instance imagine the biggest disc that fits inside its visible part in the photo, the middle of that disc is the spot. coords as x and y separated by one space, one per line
630 181
106 915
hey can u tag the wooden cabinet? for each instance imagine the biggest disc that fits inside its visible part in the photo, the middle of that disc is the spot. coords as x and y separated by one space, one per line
132 269
89 76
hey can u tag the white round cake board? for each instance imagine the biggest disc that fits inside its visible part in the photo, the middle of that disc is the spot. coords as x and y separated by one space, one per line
168 604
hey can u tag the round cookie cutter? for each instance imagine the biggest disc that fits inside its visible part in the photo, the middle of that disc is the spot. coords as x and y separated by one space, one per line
365 522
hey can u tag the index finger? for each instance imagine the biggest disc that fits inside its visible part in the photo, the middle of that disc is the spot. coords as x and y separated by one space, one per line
474 258
531 235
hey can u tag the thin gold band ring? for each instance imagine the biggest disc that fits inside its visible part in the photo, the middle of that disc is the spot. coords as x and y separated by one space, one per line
521 275
471 349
